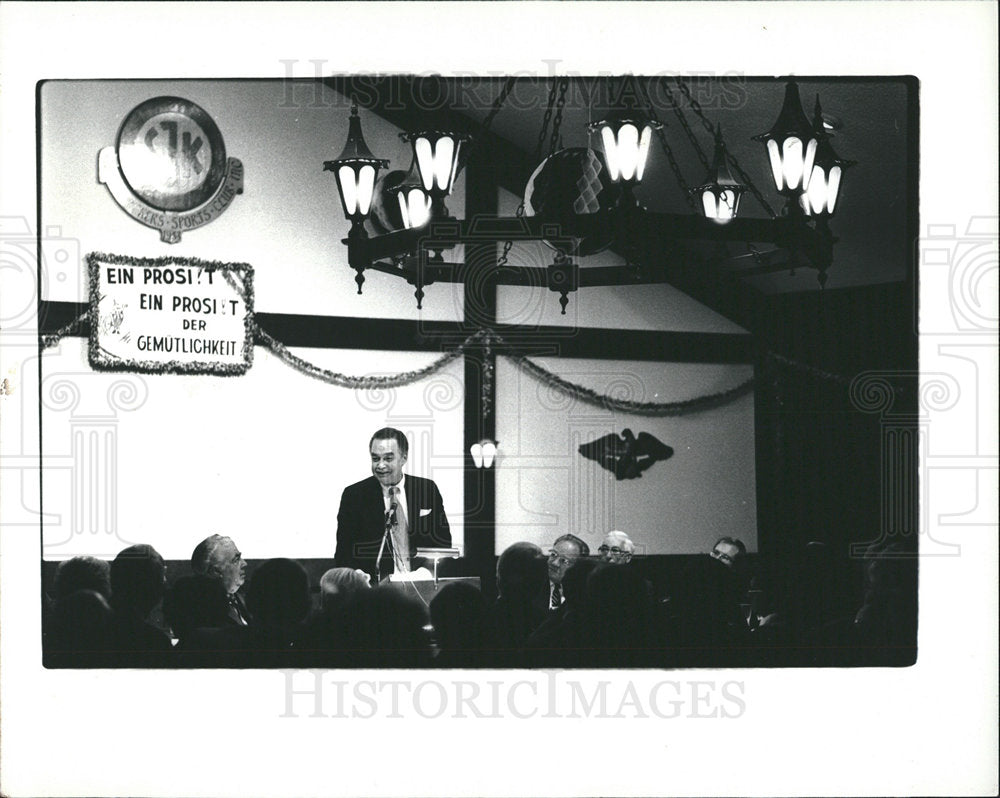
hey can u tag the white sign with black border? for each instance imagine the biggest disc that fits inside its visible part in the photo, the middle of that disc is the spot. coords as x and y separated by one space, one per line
170 315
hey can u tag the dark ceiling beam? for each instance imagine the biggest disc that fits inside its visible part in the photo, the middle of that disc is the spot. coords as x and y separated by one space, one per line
393 99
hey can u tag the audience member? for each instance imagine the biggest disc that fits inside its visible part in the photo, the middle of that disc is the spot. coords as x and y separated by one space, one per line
708 627
557 642
80 632
522 603
617 548
138 579
83 573
728 551
566 550
195 602
458 617
324 634
217 556
386 627
279 600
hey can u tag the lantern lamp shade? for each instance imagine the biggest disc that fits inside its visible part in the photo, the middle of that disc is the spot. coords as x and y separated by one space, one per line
414 201
356 170
820 198
720 195
438 155
625 138
791 145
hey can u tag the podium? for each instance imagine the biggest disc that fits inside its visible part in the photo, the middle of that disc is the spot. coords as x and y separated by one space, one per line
426 589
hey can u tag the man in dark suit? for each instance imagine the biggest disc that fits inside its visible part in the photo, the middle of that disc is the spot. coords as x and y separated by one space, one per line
384 519
218 557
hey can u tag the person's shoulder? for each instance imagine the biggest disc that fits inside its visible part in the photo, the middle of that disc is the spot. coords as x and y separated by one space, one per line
359 487
420 483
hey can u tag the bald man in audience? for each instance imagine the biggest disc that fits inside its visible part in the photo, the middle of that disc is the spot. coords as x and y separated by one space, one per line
218 557
617 548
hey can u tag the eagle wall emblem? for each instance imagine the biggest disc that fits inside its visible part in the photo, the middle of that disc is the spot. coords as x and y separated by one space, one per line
626 455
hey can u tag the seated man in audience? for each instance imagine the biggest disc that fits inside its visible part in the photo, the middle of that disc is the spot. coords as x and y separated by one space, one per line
138 580
617 548
217 556
77 573
522 603
728 551
83 573
195 602
566 550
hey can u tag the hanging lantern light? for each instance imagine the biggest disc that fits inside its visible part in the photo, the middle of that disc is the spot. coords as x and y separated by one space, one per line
414 201
791 145
356 169
438 156
625 138
720 195
820 198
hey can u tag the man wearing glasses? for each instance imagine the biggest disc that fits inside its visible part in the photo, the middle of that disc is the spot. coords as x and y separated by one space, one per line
564 552
617 548
728 551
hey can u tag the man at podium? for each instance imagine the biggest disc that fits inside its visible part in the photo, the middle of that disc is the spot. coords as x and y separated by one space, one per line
385 518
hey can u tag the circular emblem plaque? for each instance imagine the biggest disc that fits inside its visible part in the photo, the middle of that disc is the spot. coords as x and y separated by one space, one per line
168 167
171 154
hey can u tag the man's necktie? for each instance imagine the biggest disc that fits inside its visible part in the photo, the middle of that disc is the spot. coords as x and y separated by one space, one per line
556 597
399 532
235 604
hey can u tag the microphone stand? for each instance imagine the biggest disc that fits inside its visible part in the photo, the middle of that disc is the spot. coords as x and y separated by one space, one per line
381 548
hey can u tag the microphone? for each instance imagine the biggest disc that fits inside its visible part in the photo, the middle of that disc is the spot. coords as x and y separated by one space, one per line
386 537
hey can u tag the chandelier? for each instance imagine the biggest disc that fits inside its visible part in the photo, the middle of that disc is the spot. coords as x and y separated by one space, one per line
806 172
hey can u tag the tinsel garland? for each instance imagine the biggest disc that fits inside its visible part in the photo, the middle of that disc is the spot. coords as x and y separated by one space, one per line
680 408
486 339
53 338
279 350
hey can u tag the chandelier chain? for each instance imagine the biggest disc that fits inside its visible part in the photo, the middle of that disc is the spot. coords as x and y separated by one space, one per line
741 173
554 141
498 103
665 146
546 119
686 127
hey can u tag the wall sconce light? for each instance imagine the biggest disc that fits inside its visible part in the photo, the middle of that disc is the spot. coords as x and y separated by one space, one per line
483 453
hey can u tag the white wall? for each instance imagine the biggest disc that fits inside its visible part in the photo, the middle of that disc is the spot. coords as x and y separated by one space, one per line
169 459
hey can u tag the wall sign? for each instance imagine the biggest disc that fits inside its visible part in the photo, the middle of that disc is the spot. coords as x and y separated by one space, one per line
168 168
178 315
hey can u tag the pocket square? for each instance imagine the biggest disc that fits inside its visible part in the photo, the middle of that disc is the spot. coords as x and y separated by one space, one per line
425 512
